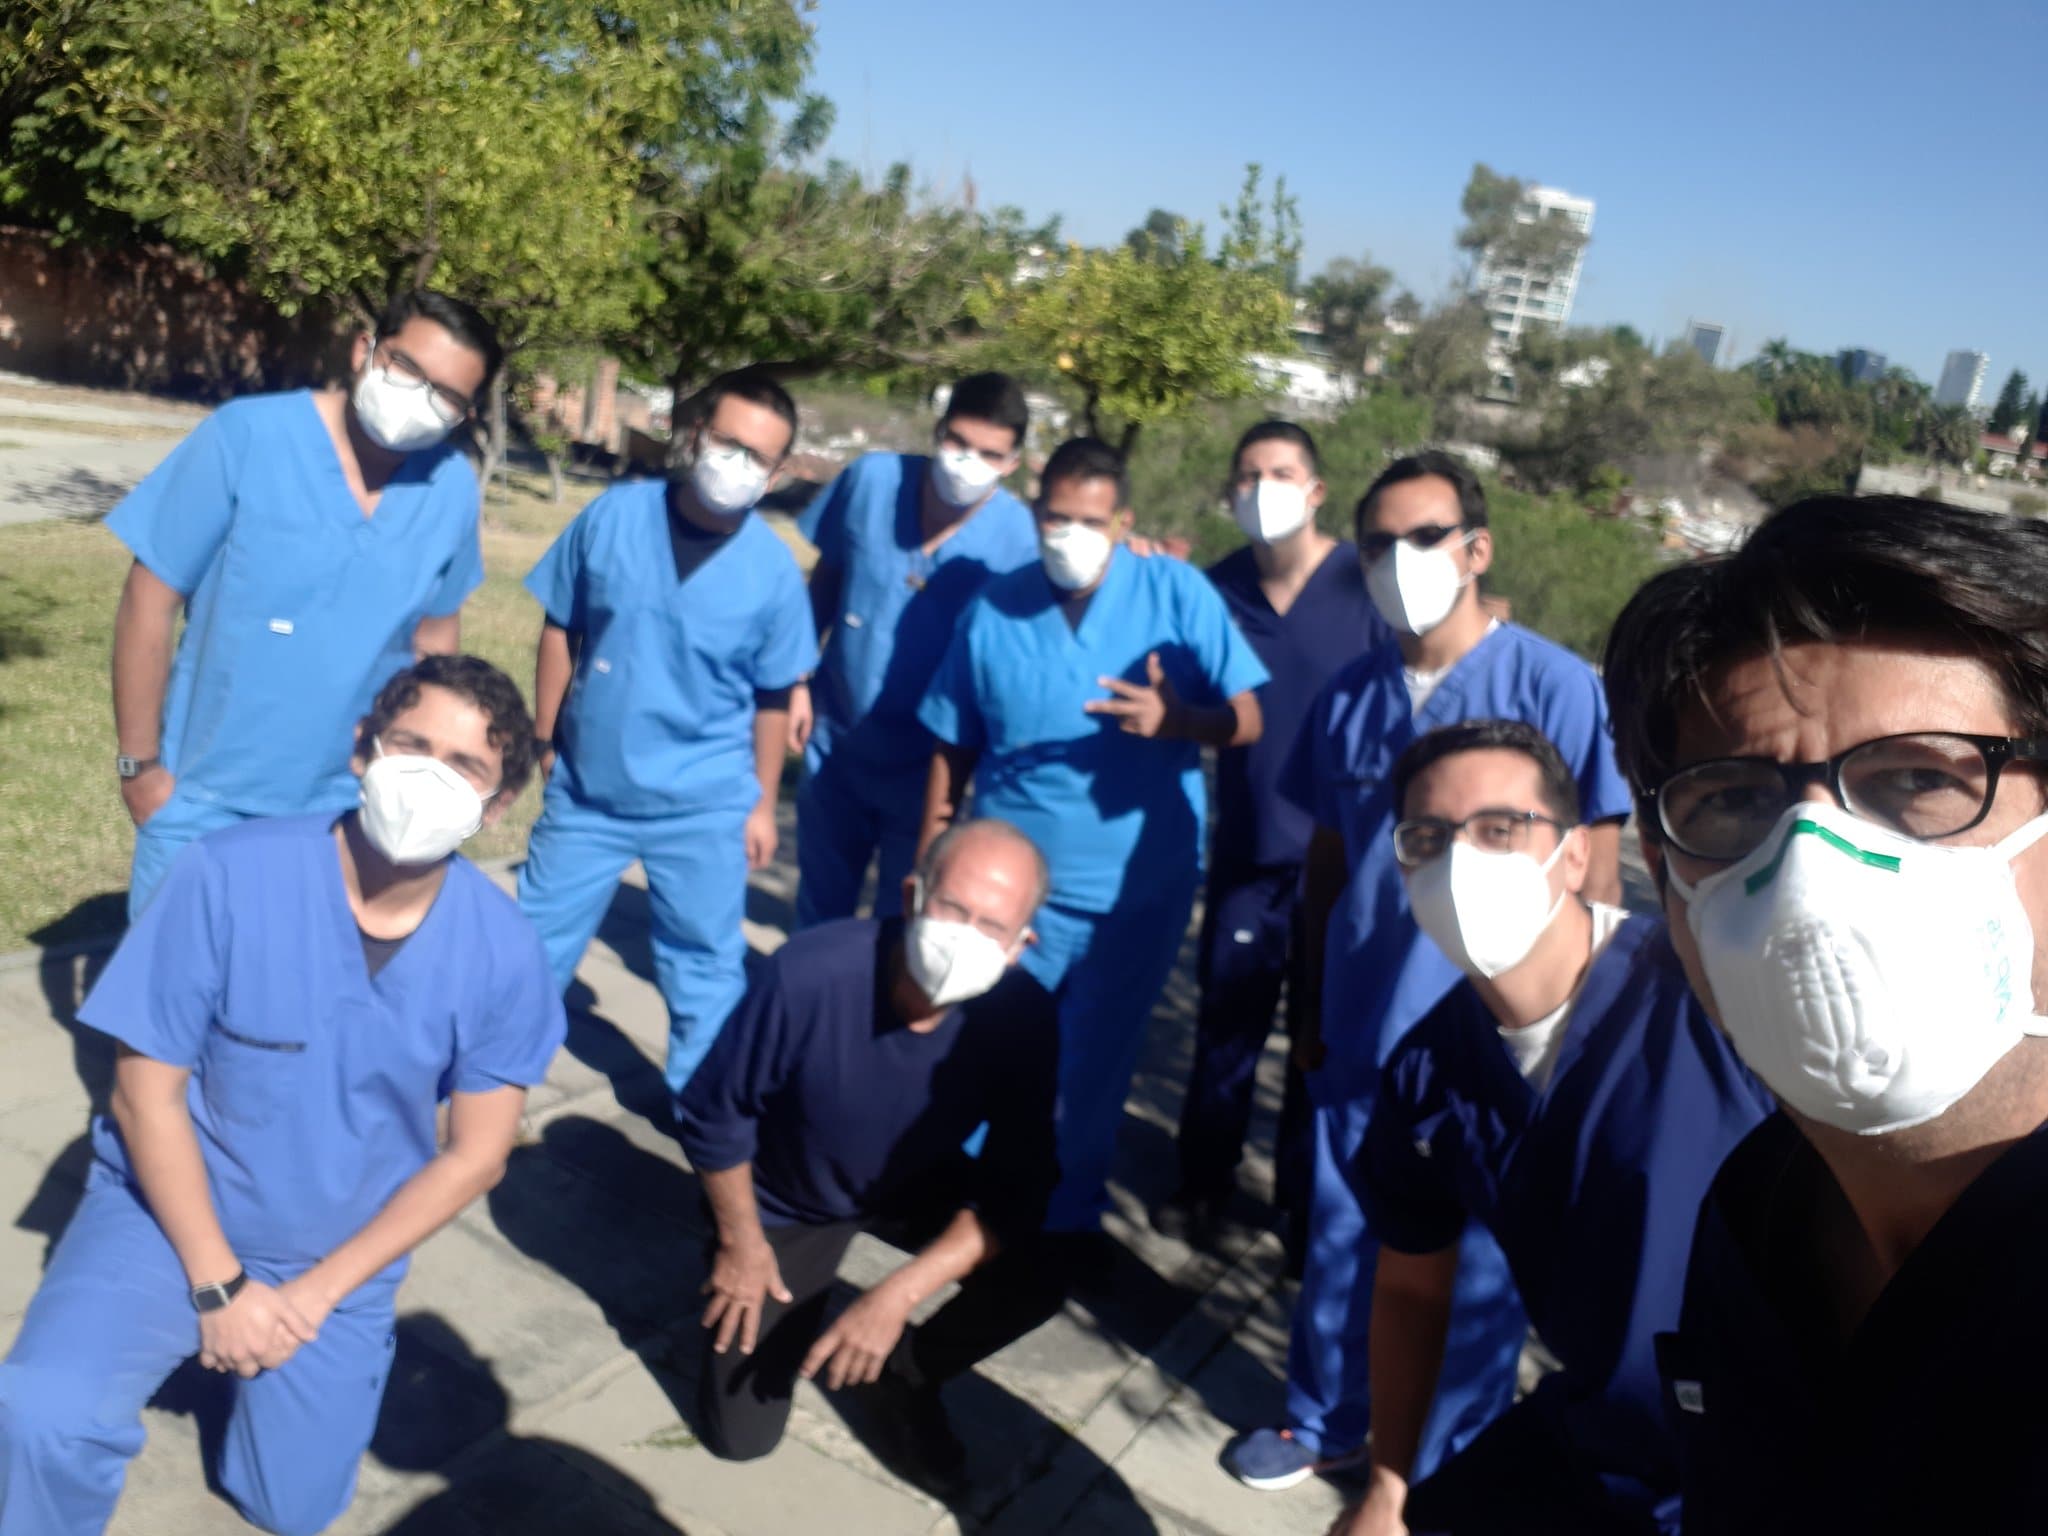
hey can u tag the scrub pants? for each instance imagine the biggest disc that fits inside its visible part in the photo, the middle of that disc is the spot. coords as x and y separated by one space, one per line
847 813
1329 1384
111 1320
696 865
1106 970
159 841
1251 945
1523 1475
743 1400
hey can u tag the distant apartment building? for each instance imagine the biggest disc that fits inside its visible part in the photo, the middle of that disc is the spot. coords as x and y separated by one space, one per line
1518 300
1962 380
1705 338
1860 365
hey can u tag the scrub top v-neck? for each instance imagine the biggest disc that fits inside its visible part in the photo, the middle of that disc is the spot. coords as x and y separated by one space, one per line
298 607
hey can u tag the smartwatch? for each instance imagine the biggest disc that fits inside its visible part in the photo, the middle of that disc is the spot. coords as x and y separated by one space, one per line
212 1296
134 767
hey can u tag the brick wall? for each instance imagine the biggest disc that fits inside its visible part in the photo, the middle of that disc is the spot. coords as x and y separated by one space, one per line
148 318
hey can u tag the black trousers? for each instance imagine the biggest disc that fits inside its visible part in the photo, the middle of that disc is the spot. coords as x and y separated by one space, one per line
743 1400
1520 1477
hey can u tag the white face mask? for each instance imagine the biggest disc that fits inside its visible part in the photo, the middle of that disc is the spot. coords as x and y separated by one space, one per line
1416 589
416 810
961 476
396 413
1869 980
1269 510
1484 910
727 481
1075 555
951 962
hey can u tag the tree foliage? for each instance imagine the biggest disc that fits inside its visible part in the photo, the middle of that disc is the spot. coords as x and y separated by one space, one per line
1142 340
1443 359
2011 408
1503 228
1347 299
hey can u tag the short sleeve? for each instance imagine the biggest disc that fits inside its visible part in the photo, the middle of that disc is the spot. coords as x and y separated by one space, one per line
1407 1193
1019 1163
1575 720
165 984
1227 658
823 522
513 1043
719 1110
558 580
177 519
789 645
951 709
1308 775
465 570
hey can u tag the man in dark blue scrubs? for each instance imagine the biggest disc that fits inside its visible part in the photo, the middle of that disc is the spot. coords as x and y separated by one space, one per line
841 1097
1838 732
1570 1095
1298 595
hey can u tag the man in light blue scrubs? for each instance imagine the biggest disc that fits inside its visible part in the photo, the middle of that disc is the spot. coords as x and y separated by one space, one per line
676 628
289 1016
1423 536
904 541
1076 697
317 542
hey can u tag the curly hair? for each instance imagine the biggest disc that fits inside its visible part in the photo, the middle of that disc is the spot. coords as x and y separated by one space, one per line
476 681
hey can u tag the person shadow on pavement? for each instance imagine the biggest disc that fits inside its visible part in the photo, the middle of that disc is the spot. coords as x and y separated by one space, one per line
442 1400
621 1218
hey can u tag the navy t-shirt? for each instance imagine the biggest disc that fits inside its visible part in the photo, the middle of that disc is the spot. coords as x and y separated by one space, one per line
1331 621
846 1115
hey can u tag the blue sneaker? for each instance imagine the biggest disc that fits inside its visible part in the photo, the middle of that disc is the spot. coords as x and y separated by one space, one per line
1272 1459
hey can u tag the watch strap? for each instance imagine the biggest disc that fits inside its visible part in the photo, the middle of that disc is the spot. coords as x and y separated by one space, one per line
215 1294
134 767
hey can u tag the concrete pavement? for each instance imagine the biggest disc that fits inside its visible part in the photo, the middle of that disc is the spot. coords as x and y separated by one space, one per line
547 1346
73 453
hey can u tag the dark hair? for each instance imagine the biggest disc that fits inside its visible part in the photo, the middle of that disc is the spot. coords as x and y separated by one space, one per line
1087 458
1417 466
1833 569
942 847
1277 431
462 321
473 679
754 385
995 398
1559 789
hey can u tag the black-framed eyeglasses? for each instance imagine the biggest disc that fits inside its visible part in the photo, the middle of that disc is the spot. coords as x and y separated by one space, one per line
1924 784
1422 536
450 405
1494 830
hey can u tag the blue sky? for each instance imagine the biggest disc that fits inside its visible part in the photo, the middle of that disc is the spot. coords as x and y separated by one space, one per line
1845 174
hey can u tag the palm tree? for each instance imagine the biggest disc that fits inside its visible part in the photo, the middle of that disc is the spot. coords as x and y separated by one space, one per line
1946 434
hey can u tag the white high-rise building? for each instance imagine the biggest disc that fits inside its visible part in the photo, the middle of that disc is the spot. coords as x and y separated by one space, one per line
1516 299
1962 378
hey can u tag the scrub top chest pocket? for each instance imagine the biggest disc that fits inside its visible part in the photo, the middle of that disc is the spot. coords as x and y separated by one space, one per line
251 1075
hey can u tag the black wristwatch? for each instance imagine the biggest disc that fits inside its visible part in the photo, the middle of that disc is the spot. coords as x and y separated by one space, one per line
134 767
212 1296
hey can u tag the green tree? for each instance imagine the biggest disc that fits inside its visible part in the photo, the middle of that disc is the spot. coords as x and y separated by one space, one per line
1160 238
1503 228
1947 434
1443 359
2011 405
1623 405
1346 298
1140 342
1566 573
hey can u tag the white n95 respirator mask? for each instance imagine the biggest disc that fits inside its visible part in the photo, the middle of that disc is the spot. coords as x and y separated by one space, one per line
1415 589
1870 980
1484 910
416 810
397 415
727 481
1075 555
1269 510
962 477
950 962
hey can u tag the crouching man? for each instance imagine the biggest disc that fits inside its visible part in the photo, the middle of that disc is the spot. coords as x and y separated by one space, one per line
290 1010
842 1096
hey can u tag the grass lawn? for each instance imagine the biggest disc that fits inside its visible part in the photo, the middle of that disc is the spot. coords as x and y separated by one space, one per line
64 835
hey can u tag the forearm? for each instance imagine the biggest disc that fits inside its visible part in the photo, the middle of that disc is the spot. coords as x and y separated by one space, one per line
437 636
552 668
733 1207
1411 1316
945 791
143 624
963 1247
1323 880
163 1151
425 1203
771 746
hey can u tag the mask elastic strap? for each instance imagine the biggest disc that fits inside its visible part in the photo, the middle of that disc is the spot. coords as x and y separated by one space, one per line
2020 839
